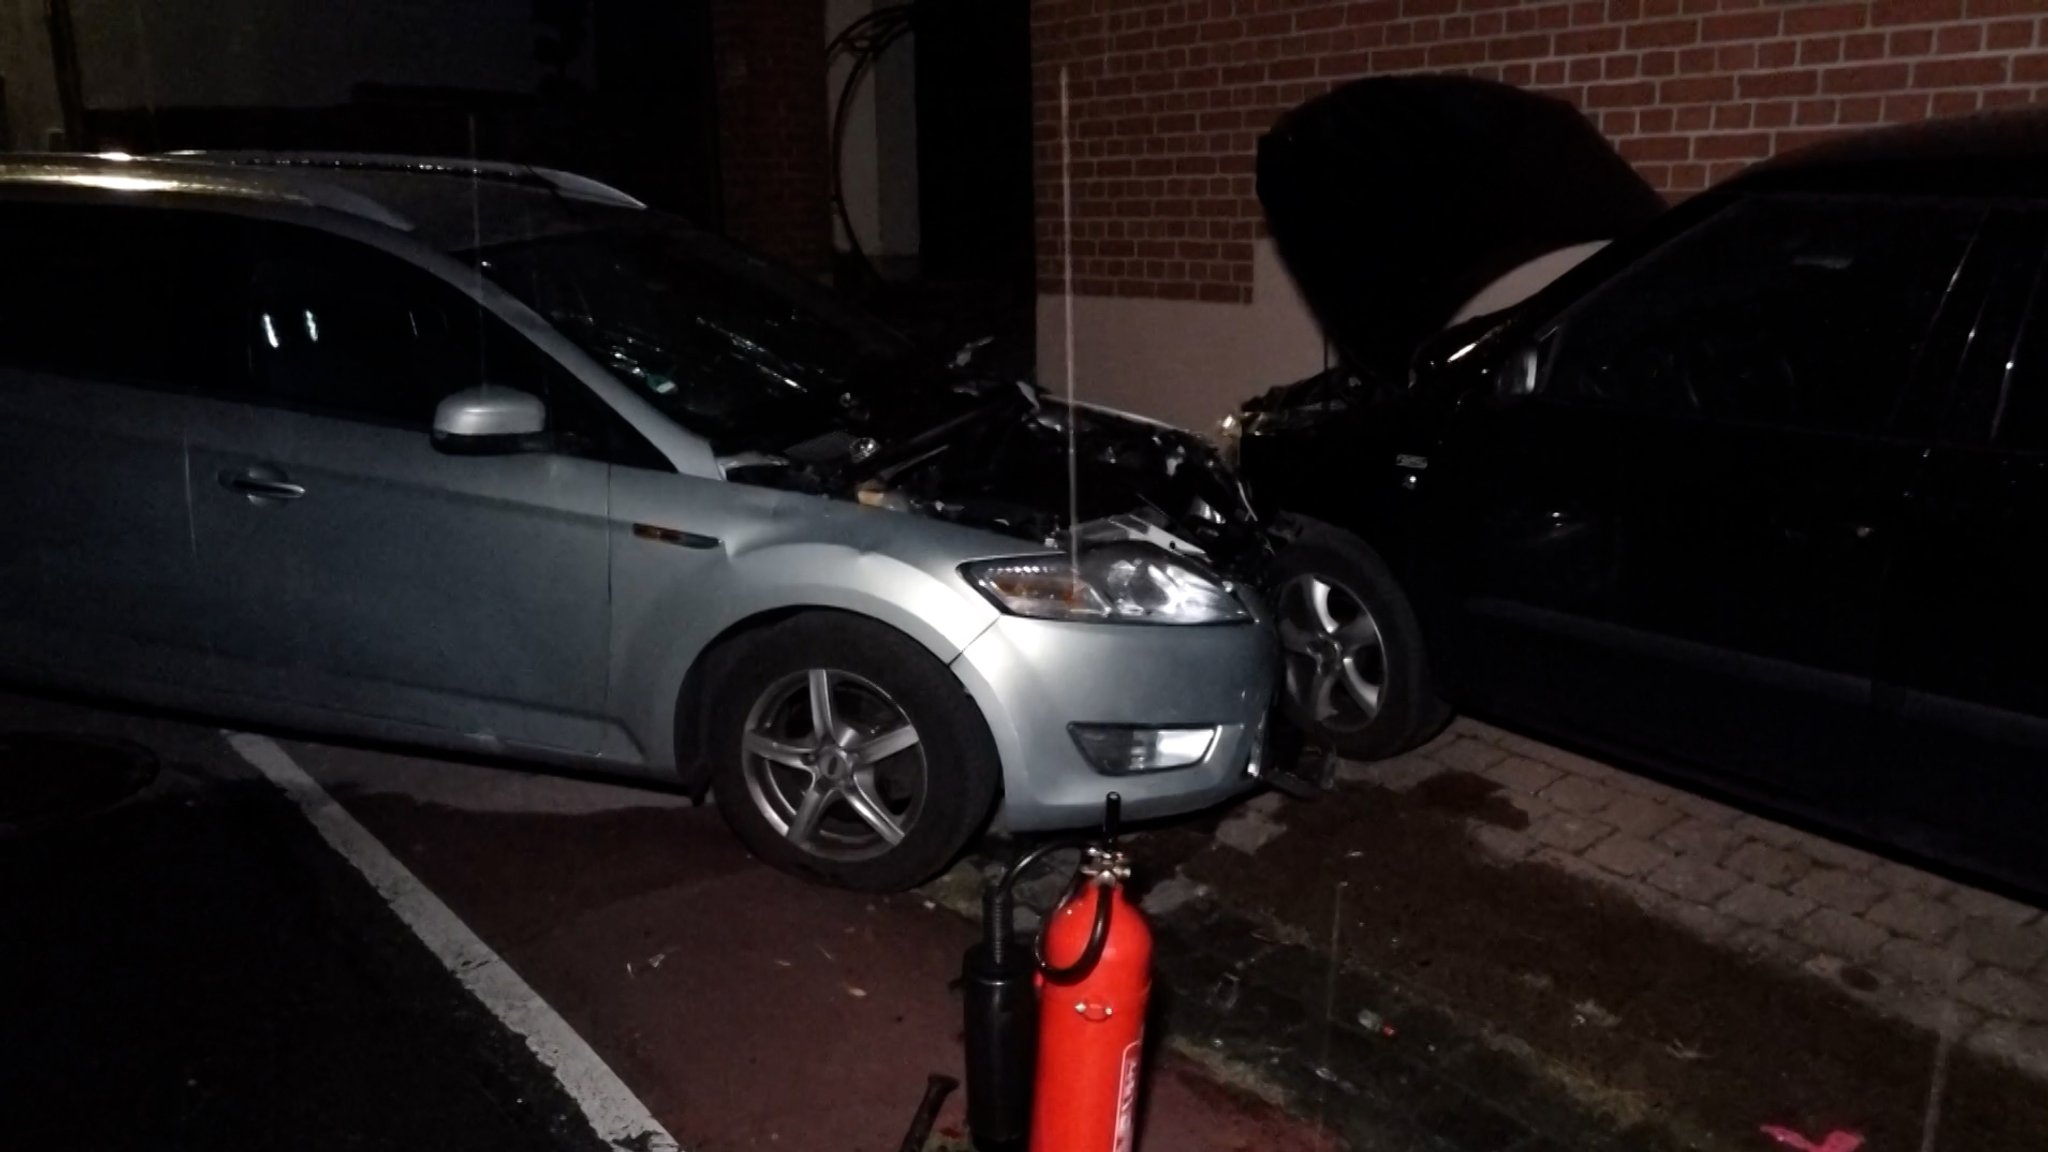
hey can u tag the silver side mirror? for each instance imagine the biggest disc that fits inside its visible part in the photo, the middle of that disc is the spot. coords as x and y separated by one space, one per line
489 419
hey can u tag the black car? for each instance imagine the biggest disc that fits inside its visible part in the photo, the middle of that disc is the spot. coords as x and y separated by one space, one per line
1756 495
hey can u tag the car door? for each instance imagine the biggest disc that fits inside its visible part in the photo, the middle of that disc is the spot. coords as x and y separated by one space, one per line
113 314
1964 680
1747 378
356 568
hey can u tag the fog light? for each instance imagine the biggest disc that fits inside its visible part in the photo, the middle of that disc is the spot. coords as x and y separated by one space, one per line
1119 750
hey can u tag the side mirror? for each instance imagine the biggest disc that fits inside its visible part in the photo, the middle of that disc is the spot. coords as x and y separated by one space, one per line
489 420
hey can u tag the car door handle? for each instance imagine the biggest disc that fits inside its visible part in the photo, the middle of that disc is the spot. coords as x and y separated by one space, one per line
262 484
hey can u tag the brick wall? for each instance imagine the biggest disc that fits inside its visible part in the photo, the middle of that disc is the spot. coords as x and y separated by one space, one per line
772 134
1168 97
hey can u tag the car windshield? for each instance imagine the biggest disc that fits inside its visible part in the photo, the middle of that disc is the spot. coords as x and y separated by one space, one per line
728 345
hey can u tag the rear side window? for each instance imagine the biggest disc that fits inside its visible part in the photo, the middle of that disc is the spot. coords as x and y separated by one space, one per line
120 294
1800 312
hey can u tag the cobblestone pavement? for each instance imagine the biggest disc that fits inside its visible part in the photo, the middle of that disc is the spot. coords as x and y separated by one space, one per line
1907 943
1493 945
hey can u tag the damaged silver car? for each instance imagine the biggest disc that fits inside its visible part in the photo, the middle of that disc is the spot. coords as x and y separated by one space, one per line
495 458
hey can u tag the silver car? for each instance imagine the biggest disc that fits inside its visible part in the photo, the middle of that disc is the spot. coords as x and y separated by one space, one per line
494 458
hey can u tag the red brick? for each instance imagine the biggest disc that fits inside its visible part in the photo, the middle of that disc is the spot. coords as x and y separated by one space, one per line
1654 148
1662 34
1808 19
1956 103
1773 114
1618 123
1728 117
2008 98
1622 67
1863 46
1659 63
1687 177
1777 54
1724 170
1769 85
1740 26
1861 110
1735 57
1588 41
2009 34
1975 73
2030 69
1584 68
1742 146
1865 78
1822 50
1697 89
1915 11
1911 42
1983 8
1657 175
1694 118
1630 95
1901 109
1518 47
1656 120
1958 39
1817 113
1550 72
1448 55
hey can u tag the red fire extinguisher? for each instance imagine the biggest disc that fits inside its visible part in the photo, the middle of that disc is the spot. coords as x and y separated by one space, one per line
1095 974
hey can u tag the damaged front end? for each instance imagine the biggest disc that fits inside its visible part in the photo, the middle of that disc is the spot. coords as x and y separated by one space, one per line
1029 465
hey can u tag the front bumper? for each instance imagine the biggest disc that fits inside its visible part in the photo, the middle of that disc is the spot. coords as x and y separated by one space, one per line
1033 678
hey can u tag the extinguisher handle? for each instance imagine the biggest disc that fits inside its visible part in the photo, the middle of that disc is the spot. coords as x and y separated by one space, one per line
1098 935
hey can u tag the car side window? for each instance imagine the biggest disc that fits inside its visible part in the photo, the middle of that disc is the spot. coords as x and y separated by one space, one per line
1801 312
339 328
121 294
2016 408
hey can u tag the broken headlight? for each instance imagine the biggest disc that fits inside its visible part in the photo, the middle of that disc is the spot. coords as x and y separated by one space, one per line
1117 583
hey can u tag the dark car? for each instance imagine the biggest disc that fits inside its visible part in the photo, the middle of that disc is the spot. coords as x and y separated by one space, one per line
1756 495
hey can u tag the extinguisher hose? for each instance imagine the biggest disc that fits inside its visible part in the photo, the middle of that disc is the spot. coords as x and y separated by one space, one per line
998 919
1098 935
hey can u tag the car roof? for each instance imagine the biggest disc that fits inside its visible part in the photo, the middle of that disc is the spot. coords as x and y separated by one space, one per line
449 203
2001 153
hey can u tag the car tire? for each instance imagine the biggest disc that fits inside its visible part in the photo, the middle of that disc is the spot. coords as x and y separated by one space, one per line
808 805
1355 672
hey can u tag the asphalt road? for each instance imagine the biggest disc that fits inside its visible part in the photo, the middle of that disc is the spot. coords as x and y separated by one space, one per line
191 963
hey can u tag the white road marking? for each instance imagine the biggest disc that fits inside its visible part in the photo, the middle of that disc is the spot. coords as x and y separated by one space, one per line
614 1112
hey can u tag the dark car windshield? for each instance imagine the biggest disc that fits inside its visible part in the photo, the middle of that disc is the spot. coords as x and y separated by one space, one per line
743 352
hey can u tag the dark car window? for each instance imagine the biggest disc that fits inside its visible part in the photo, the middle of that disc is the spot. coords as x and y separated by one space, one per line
1804 312
125 294
2015 407
723 342
336 327
339 328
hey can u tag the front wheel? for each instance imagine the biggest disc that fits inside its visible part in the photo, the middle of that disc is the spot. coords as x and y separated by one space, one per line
849 754
1357 678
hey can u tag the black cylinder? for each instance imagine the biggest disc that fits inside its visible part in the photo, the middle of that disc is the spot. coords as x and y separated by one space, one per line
1002 1044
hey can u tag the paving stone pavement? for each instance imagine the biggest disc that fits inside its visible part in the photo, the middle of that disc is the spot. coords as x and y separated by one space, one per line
1910 944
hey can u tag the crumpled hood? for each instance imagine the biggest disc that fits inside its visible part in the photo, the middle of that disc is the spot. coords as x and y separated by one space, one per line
1008 470
1394 200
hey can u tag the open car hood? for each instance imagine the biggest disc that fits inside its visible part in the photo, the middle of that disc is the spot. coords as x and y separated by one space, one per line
1394 200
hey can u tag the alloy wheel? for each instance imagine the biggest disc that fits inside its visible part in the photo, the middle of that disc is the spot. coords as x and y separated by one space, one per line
834 764
1336 660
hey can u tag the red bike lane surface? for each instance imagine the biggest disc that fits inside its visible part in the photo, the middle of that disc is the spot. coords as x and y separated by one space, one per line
746 1008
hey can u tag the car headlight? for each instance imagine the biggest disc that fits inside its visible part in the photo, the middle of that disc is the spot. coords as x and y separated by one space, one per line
1114 583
